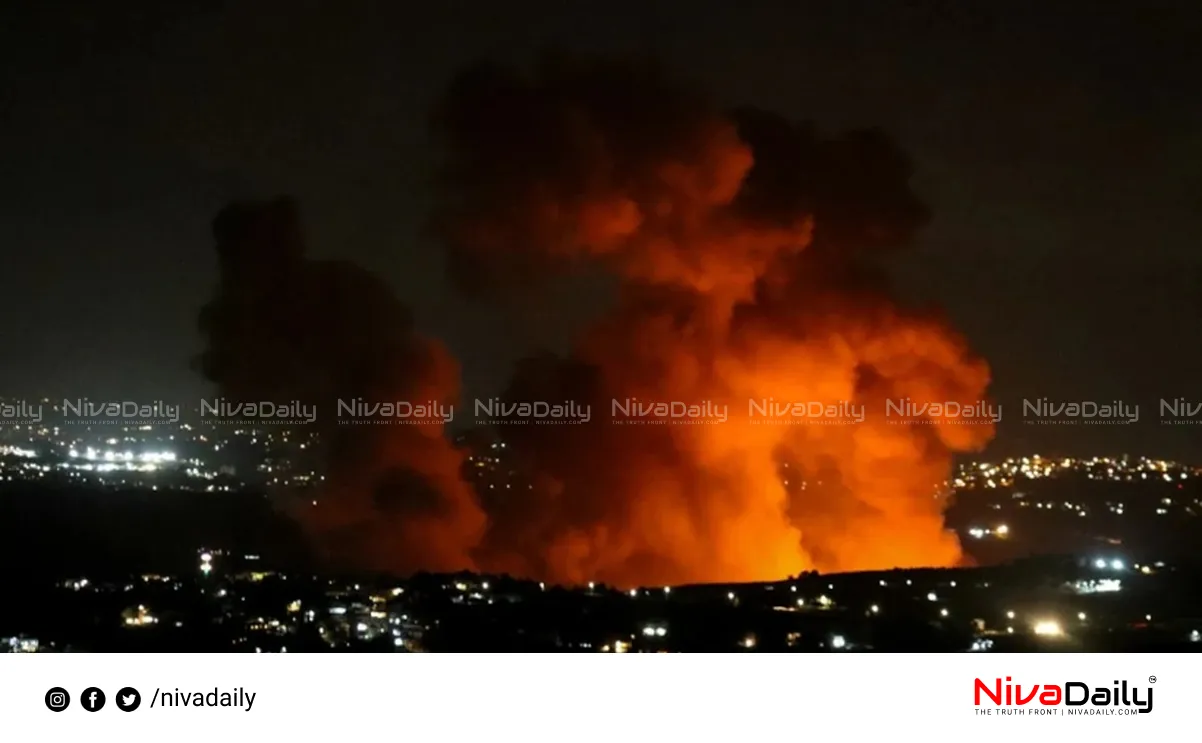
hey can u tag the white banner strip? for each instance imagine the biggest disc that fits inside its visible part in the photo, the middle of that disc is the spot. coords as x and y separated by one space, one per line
603 698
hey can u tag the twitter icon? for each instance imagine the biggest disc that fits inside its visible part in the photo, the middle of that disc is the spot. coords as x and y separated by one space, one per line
128 699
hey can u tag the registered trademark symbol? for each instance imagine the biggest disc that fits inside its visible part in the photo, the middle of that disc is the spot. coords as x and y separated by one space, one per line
1151 679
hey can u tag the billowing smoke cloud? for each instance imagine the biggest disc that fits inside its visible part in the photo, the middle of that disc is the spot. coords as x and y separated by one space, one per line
282 328
745 247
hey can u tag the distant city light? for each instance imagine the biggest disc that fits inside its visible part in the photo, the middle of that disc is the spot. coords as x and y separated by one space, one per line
1106 585
838 642
1048 628
875 609
932 597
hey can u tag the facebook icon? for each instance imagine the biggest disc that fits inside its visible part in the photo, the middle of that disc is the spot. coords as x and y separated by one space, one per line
92 699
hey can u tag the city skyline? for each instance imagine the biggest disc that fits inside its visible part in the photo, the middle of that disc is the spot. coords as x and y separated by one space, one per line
857 329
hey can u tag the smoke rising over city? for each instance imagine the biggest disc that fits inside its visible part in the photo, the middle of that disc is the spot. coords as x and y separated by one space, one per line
810 327
744 249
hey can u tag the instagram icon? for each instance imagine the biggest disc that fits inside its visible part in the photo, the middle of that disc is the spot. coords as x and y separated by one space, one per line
57 699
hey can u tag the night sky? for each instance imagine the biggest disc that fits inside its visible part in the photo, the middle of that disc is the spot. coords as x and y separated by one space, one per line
1059 148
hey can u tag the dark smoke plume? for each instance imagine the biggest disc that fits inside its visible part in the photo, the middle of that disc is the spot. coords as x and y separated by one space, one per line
283 327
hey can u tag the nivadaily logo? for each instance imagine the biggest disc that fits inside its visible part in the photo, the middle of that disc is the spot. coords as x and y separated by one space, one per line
1069 698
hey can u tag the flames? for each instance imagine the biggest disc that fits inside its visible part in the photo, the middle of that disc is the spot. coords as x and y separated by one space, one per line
745 249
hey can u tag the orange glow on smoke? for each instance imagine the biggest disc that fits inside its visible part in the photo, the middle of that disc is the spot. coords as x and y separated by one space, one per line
744 247
738 282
